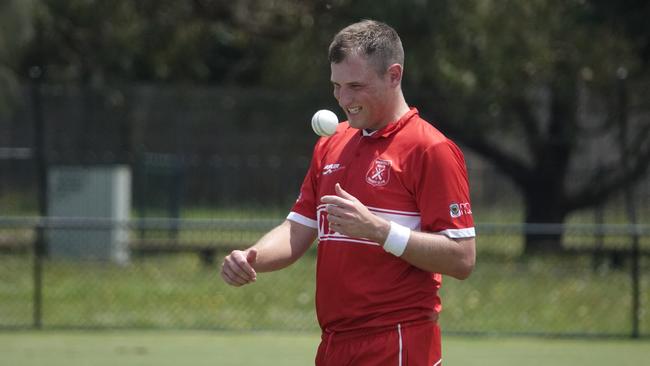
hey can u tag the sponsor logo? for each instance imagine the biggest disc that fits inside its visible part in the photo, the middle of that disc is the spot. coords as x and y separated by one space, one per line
379 173
459 209
323 224
454 210
331 168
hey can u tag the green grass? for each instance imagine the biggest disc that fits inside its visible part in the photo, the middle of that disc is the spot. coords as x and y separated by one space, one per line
542 352
549 295
505 294
198 348
155 348
167 292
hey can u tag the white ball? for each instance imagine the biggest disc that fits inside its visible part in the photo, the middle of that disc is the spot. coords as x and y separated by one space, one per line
324 122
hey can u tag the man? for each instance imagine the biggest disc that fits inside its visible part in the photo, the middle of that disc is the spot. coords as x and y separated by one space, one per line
388 198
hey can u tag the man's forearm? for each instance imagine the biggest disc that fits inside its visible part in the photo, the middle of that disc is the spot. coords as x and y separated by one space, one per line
440 254
282 246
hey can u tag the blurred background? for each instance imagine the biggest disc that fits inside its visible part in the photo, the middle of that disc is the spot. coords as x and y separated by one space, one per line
141 141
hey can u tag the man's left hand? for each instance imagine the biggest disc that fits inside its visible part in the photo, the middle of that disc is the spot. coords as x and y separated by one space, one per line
348 216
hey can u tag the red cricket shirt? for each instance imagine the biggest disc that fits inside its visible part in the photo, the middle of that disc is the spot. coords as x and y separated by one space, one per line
409 173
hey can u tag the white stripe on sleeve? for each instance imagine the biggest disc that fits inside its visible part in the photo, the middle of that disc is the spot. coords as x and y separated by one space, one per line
459 233
296 217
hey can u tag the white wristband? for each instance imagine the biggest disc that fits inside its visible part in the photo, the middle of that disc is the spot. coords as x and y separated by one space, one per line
398 237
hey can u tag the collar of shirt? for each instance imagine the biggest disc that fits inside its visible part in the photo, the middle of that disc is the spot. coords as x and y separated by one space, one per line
392 127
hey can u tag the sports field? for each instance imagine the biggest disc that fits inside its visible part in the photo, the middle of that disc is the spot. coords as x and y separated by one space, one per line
71 348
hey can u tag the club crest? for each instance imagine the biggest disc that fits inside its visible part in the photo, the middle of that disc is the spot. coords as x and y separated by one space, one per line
379 173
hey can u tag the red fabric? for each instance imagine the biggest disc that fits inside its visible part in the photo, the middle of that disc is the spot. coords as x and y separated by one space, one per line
408 172
407 345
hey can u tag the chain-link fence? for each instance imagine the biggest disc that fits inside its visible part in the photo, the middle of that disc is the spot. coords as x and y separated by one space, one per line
222 166
597 285
226 146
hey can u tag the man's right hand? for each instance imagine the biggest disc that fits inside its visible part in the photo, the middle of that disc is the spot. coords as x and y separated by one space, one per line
237 268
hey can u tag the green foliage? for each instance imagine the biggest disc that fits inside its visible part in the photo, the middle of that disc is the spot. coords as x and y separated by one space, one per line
15 31
508 79
217 41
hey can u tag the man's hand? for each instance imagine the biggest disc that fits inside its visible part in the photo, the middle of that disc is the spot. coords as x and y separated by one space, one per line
237 268
348 216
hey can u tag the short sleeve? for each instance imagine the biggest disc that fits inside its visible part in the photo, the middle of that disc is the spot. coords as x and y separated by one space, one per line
442 192
304 209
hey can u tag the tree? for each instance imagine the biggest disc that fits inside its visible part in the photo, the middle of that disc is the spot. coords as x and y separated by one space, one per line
103 42
539 64
15 30
522 72
101 48
511 80
629 17
530 86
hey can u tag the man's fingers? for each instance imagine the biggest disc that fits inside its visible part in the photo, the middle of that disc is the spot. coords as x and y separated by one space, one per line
233 279
236 275
251 257
229 280
343 193
336 210
342 198
333 219
236 269
244 268
336 200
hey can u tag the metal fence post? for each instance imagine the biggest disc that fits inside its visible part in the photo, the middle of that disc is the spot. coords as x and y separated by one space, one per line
38 278
36 74
629 201
636 281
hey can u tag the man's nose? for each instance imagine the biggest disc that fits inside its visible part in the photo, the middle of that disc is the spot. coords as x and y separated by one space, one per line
344 97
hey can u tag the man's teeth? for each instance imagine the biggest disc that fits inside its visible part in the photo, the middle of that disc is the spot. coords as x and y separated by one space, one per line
354 110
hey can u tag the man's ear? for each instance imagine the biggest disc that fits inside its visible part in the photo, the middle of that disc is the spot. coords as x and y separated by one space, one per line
395 74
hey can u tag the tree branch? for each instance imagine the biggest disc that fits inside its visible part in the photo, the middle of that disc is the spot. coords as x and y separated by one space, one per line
507 163
608 180
521 107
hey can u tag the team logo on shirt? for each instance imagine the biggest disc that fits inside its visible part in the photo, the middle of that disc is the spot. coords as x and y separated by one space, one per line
379 173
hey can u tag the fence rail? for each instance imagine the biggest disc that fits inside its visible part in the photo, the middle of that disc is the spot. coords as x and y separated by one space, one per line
267 223
592 287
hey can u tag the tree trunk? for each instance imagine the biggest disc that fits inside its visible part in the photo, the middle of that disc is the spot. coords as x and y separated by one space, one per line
543 207
545 193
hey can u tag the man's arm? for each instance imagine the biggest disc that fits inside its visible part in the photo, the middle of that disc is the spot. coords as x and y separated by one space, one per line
427 251
277 249
440 254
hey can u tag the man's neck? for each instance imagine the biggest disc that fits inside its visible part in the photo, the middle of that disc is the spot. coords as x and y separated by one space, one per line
400 108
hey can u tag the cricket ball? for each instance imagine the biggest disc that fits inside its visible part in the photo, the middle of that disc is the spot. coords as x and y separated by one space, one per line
324 123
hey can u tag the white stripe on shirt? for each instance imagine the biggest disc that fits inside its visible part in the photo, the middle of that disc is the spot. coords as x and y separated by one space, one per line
410 220
399 331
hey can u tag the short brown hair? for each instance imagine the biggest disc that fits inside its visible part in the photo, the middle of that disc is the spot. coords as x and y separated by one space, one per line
375 40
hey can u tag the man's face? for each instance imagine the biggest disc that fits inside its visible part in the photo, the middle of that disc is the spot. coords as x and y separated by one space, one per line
363 94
